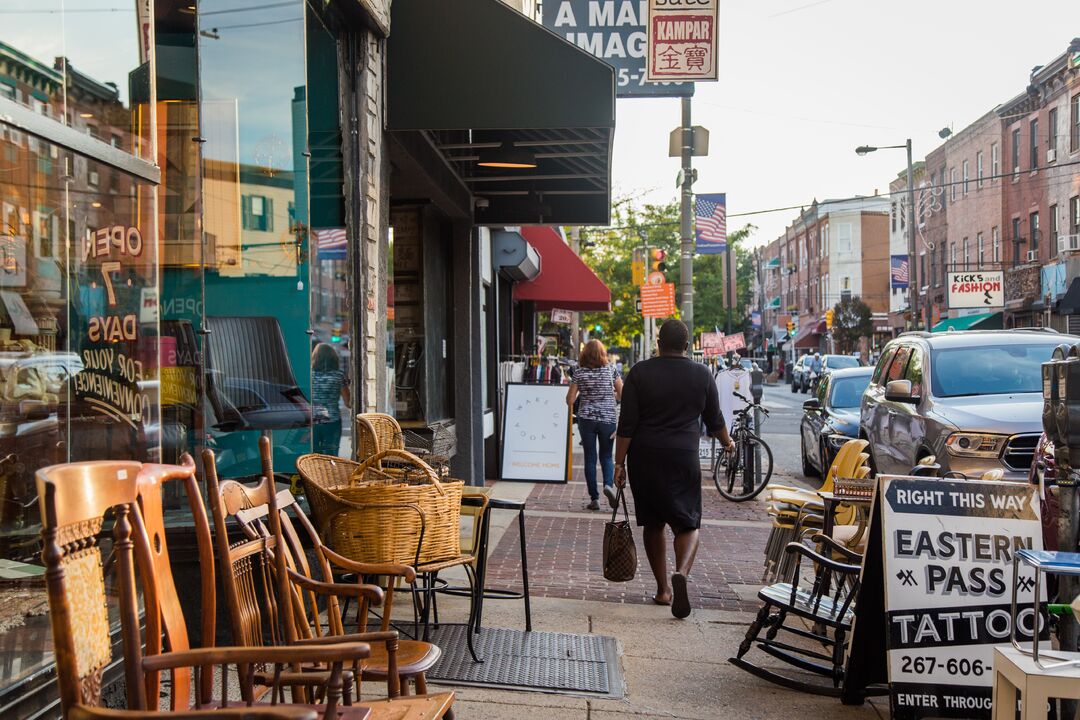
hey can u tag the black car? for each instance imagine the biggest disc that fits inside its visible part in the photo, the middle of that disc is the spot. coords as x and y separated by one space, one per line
831 417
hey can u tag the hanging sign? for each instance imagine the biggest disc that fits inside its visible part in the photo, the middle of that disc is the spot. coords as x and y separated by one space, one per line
614 31
536 433
977 290
563 317
712 344
658 301
734 342
682 40
948 550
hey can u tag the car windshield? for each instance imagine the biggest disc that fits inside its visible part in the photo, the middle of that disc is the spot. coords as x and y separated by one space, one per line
842 361
847 392
989 369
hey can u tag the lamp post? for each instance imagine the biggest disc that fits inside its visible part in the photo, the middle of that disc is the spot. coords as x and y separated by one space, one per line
913 293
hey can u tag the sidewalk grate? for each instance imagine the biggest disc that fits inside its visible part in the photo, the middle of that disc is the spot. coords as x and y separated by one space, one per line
551 662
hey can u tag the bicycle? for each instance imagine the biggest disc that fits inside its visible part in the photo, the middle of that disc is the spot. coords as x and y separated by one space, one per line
741 474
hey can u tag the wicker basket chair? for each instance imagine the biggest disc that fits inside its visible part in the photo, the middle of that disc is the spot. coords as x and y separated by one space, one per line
405 516
376 432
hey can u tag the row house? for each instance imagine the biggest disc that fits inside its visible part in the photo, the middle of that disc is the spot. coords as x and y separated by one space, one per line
1003 194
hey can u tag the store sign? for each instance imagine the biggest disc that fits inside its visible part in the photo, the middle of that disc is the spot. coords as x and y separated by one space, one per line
984 290
563 317
712 343
614 31
658 301
948 549
536 433
683 39
734 342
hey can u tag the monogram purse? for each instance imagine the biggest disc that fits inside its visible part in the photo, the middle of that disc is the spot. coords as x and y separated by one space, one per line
620 554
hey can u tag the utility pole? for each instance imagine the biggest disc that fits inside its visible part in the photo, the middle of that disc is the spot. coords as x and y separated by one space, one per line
913 290
686 210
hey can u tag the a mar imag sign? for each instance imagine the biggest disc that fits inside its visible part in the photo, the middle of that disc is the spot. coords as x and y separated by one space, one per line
615 32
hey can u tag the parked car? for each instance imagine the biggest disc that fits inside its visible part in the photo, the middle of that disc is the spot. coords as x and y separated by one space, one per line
831 417
972 399
799 372
832 362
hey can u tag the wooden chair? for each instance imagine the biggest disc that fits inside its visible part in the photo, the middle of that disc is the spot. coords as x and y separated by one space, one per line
250 506
339 522
268 601
75 500
825 606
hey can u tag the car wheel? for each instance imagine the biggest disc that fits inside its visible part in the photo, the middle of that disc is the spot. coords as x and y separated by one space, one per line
807 469
823 455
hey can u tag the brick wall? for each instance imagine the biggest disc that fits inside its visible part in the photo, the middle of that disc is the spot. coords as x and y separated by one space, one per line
374 184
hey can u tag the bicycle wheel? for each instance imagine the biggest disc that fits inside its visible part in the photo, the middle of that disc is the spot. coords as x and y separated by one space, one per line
747 470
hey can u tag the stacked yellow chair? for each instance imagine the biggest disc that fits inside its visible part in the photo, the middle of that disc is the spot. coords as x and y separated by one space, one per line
796 511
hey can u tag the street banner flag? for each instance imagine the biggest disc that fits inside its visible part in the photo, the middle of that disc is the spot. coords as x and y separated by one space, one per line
899 272
710 223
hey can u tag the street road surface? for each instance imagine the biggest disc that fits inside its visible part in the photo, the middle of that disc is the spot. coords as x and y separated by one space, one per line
781 432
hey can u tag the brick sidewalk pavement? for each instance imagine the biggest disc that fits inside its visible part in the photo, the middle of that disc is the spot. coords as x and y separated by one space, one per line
564 543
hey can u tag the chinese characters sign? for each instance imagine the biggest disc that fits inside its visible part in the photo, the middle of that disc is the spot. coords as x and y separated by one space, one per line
682 40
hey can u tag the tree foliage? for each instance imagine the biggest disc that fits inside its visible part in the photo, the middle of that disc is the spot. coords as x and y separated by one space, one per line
609 252
851 321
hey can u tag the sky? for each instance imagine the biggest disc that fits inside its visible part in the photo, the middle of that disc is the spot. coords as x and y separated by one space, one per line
804 82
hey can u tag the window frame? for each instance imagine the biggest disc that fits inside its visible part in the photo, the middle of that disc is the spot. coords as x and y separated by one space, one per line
966 175
1034 141
979 169
1033 231
995 244
1074 124
1016 151
1052 131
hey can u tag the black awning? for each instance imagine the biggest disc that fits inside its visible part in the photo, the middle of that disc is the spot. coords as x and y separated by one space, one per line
1070 301
473 75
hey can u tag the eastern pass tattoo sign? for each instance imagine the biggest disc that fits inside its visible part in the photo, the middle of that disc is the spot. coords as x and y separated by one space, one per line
948 548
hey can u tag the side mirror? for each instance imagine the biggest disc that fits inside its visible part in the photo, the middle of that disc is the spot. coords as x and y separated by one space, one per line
900 391
813 405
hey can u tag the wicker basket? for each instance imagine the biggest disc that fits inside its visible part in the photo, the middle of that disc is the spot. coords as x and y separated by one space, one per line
370 516
376 432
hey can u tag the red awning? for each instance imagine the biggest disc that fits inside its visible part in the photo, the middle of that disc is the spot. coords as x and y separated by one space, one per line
805 338
564 281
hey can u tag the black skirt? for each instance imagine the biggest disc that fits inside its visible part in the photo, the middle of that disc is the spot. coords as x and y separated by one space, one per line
666 485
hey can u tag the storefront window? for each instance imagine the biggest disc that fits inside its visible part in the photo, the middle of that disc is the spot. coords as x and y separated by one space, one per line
79 329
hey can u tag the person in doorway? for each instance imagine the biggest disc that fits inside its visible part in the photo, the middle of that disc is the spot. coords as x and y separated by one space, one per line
599 386
664 401
328 387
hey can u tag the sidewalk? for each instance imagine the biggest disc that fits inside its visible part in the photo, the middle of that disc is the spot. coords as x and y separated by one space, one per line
672 668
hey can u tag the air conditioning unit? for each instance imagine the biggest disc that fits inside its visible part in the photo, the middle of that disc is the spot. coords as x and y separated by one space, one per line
1068 244
1051 155
1032 256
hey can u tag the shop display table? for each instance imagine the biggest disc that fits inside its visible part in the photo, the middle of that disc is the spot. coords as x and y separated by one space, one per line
1015 670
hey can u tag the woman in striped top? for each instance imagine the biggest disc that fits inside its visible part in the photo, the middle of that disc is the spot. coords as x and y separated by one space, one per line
599 386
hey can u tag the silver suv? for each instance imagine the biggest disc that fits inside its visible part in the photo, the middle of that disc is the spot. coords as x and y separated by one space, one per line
973 399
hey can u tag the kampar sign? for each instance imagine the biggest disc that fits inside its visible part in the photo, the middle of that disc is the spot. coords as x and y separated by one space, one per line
683 40
977 290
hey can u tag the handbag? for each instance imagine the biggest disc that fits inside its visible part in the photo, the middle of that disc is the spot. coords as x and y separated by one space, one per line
620 553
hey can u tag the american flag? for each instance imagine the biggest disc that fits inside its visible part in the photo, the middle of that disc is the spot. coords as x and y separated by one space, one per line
899 271
711 223
331 243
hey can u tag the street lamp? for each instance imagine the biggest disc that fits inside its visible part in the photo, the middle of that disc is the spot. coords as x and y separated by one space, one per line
913 294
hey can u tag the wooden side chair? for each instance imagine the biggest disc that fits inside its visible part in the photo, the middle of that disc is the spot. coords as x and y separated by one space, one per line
250 506
76 498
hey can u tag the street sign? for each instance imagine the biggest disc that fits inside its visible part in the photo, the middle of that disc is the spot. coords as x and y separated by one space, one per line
984 290
948 548
699 144
658 301
656 278
614 31
682 40
563 317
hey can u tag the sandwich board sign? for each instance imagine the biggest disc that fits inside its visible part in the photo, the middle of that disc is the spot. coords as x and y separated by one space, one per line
536 434
948 551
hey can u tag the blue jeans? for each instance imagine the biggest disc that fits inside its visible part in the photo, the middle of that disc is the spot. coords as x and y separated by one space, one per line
593 433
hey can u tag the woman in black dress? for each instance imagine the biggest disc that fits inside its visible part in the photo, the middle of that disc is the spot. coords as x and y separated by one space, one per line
665 399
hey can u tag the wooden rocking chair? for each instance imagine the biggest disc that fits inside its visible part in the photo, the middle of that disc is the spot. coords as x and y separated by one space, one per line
821 614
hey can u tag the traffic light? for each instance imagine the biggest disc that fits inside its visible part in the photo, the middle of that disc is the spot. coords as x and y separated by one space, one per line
828 318
790 327
657 264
